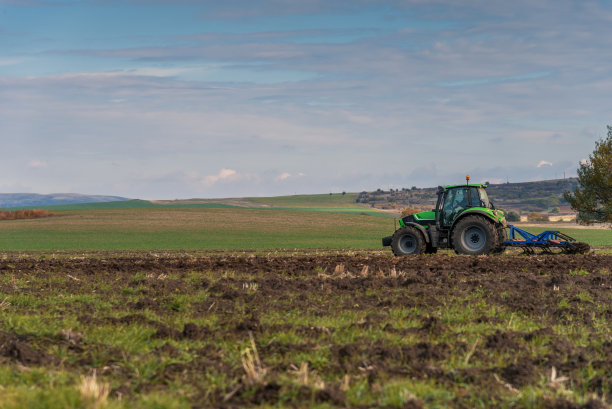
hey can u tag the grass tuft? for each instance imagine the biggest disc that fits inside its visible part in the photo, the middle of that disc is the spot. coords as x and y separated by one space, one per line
579 272
94 392
255 372
307 377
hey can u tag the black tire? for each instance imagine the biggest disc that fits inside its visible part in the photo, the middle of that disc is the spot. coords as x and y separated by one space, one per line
406 241
474 235
502 236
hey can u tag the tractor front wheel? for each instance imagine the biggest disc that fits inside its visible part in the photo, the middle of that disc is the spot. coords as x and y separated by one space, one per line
407 240
474 235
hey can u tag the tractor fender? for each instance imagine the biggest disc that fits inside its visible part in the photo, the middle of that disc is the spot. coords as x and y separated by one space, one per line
421 229
474 212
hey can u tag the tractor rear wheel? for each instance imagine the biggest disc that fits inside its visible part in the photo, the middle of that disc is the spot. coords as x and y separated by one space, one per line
406 241
474 235
502 236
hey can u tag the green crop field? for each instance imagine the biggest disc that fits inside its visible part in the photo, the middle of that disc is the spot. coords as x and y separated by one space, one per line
193 229
311 201
206 228
125 204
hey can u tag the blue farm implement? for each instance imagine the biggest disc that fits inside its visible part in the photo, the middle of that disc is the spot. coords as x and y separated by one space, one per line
549 241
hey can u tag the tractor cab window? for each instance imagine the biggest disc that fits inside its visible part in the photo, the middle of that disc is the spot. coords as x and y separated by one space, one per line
475 197
484 199
455 202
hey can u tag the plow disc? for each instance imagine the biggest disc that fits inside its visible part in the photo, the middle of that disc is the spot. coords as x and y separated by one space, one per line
549 241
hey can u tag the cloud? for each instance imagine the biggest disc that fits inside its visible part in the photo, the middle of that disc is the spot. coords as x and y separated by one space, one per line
286 175
159 72
245 9
188 184
37 164
224 175
30 3
494 80
283 176
11 61
543 163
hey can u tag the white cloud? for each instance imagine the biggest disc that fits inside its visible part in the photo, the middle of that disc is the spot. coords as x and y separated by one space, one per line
543 163
286 175
223 175
37 164
171 71
10 61
283 176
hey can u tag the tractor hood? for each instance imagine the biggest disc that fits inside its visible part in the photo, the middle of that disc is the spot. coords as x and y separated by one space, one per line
419 218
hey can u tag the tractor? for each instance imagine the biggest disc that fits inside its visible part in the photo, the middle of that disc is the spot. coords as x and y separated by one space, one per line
466 221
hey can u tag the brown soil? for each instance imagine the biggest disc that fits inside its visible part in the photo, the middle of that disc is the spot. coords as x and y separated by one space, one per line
244 289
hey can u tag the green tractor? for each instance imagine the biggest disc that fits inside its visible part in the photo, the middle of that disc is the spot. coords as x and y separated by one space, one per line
464 220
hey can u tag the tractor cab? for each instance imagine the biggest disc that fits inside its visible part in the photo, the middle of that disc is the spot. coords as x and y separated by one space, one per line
454 200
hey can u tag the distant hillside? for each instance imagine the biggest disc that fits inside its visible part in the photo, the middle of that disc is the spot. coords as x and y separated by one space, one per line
523 197
32 199
528 196
540 196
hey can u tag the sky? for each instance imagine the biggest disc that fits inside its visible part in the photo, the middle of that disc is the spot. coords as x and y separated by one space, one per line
159 99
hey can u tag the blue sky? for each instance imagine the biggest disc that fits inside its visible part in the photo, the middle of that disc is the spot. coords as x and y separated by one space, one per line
177 99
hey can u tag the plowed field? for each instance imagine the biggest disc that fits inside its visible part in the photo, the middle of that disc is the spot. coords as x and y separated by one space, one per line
305 330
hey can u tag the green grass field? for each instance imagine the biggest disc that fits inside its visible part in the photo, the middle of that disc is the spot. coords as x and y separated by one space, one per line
207 228
310 201
336 203
125 204
193 229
